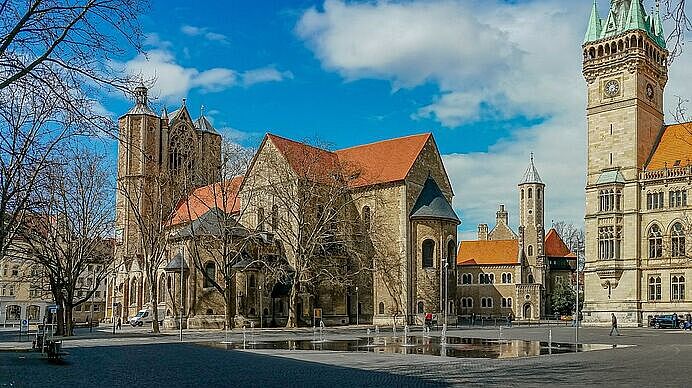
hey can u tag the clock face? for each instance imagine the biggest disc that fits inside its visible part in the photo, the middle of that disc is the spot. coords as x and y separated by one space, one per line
649 91
612 88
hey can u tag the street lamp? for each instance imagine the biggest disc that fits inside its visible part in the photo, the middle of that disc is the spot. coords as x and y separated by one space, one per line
261 313
182 309
580 267
357 306
91 308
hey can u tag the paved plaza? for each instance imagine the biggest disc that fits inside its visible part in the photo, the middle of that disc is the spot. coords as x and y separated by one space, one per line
133 356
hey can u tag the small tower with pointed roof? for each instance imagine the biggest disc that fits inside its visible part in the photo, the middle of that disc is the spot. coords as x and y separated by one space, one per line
531 223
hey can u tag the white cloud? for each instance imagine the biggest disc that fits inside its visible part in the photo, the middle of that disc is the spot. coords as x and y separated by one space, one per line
265 74
492 58
203 32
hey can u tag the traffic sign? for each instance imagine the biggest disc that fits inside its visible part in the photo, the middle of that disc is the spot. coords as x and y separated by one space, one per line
24 326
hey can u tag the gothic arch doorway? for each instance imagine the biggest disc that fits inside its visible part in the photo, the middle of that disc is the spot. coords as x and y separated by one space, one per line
527 311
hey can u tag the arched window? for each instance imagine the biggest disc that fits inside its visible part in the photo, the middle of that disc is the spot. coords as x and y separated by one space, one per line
655 242
530 250
677 288
509 278
483 302
252 281
380 308
181 151
162 288
451 253
509 302
33 313
677 237
366 217
13 312
421 308
169 282
133 291
530 279
655 288
538 193
522 194
463 302
504 278
210 274
428 252
530 193
275 218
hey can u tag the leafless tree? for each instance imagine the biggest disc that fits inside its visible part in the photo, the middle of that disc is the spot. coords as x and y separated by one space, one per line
67 239
572 235
55 60
311 210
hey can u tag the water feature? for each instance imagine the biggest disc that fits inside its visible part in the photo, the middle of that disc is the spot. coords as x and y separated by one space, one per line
406 339
457 347
322 336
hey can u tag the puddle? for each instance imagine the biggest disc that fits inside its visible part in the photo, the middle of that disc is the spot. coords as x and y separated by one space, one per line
455 347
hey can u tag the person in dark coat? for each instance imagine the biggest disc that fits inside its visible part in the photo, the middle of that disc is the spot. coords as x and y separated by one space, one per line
614 325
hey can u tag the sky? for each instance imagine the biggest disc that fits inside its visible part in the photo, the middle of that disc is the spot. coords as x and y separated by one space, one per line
493 81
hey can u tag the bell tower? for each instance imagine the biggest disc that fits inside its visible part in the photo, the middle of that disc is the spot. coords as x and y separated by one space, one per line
625 67
531 224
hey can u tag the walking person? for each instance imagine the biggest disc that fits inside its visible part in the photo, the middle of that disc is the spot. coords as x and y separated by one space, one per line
120 324
614 325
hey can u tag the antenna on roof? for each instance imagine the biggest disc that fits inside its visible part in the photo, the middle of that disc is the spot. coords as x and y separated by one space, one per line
201 110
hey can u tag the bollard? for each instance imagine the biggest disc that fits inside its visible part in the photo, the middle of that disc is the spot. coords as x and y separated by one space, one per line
550 341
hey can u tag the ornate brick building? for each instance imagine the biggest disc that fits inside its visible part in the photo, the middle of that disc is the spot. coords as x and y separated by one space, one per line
638 172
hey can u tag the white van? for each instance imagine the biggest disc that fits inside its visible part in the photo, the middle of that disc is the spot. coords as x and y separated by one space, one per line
146 315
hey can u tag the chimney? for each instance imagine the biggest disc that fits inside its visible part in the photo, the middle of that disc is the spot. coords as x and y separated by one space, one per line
501 216
482 232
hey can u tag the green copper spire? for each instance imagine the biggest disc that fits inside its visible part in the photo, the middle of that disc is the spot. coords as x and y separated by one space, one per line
658 26
636 19
594 30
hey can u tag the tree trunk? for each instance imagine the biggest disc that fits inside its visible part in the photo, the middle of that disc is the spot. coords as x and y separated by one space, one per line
292 307
59 318
228 300
69 326
153 301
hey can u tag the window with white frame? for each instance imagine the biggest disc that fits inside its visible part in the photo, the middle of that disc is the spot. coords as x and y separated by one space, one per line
677 240
677 288
677 198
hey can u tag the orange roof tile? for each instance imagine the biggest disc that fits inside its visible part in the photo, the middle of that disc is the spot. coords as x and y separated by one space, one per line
205 198
381 162
488 252
384 161
554 246
674 145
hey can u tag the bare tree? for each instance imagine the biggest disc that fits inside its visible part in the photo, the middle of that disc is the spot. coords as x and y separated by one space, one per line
68 237
311 211
572 235
55 60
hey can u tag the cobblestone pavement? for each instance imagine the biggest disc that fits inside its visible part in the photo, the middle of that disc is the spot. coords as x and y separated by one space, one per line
134 356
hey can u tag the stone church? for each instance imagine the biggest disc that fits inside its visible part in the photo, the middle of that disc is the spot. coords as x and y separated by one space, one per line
638 172
504 273
398 220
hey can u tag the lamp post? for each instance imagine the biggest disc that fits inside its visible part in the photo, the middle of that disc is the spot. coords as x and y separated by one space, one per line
182 309
91 308
446 265
580 267
113 301
261 313
357 307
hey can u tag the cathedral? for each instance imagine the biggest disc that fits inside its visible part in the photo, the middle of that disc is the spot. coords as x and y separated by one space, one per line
504 273
638 173
379 251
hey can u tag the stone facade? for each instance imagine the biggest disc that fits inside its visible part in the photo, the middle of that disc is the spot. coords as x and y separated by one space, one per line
637 178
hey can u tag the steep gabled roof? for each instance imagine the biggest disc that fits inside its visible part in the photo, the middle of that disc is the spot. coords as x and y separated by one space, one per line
554 246
432 204
206 198
381 162
488 252
384 161
674 146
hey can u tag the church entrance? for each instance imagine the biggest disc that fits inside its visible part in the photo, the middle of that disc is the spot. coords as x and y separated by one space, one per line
527 311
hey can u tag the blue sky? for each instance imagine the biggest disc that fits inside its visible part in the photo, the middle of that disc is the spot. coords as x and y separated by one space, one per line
493 80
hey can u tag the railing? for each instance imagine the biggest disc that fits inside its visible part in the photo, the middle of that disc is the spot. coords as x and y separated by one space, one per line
666 173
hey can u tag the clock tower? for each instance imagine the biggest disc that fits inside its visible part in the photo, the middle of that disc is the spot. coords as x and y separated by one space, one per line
625 68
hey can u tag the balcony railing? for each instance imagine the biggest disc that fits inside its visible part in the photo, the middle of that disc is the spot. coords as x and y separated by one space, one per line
666 173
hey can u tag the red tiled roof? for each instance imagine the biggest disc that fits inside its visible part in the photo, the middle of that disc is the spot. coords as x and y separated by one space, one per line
381 162
488 252
554 246
205 198
674 146
384 161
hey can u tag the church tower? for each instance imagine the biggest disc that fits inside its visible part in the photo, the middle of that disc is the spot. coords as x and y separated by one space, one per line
625 68
531 225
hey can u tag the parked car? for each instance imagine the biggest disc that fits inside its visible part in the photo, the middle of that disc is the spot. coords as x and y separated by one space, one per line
661 321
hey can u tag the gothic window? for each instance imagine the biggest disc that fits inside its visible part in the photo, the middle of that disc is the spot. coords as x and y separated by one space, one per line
655 288
428 252
677 198
530 250
609 200
654 200
677 288
275 218
366 217
133 291
677 240
421 308
210 273
181 150
609 238
451 253
655 242
162 288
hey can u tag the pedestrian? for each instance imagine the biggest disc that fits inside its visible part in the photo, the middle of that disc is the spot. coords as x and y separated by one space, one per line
120 323
510 318
675 320
473 319
614 325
